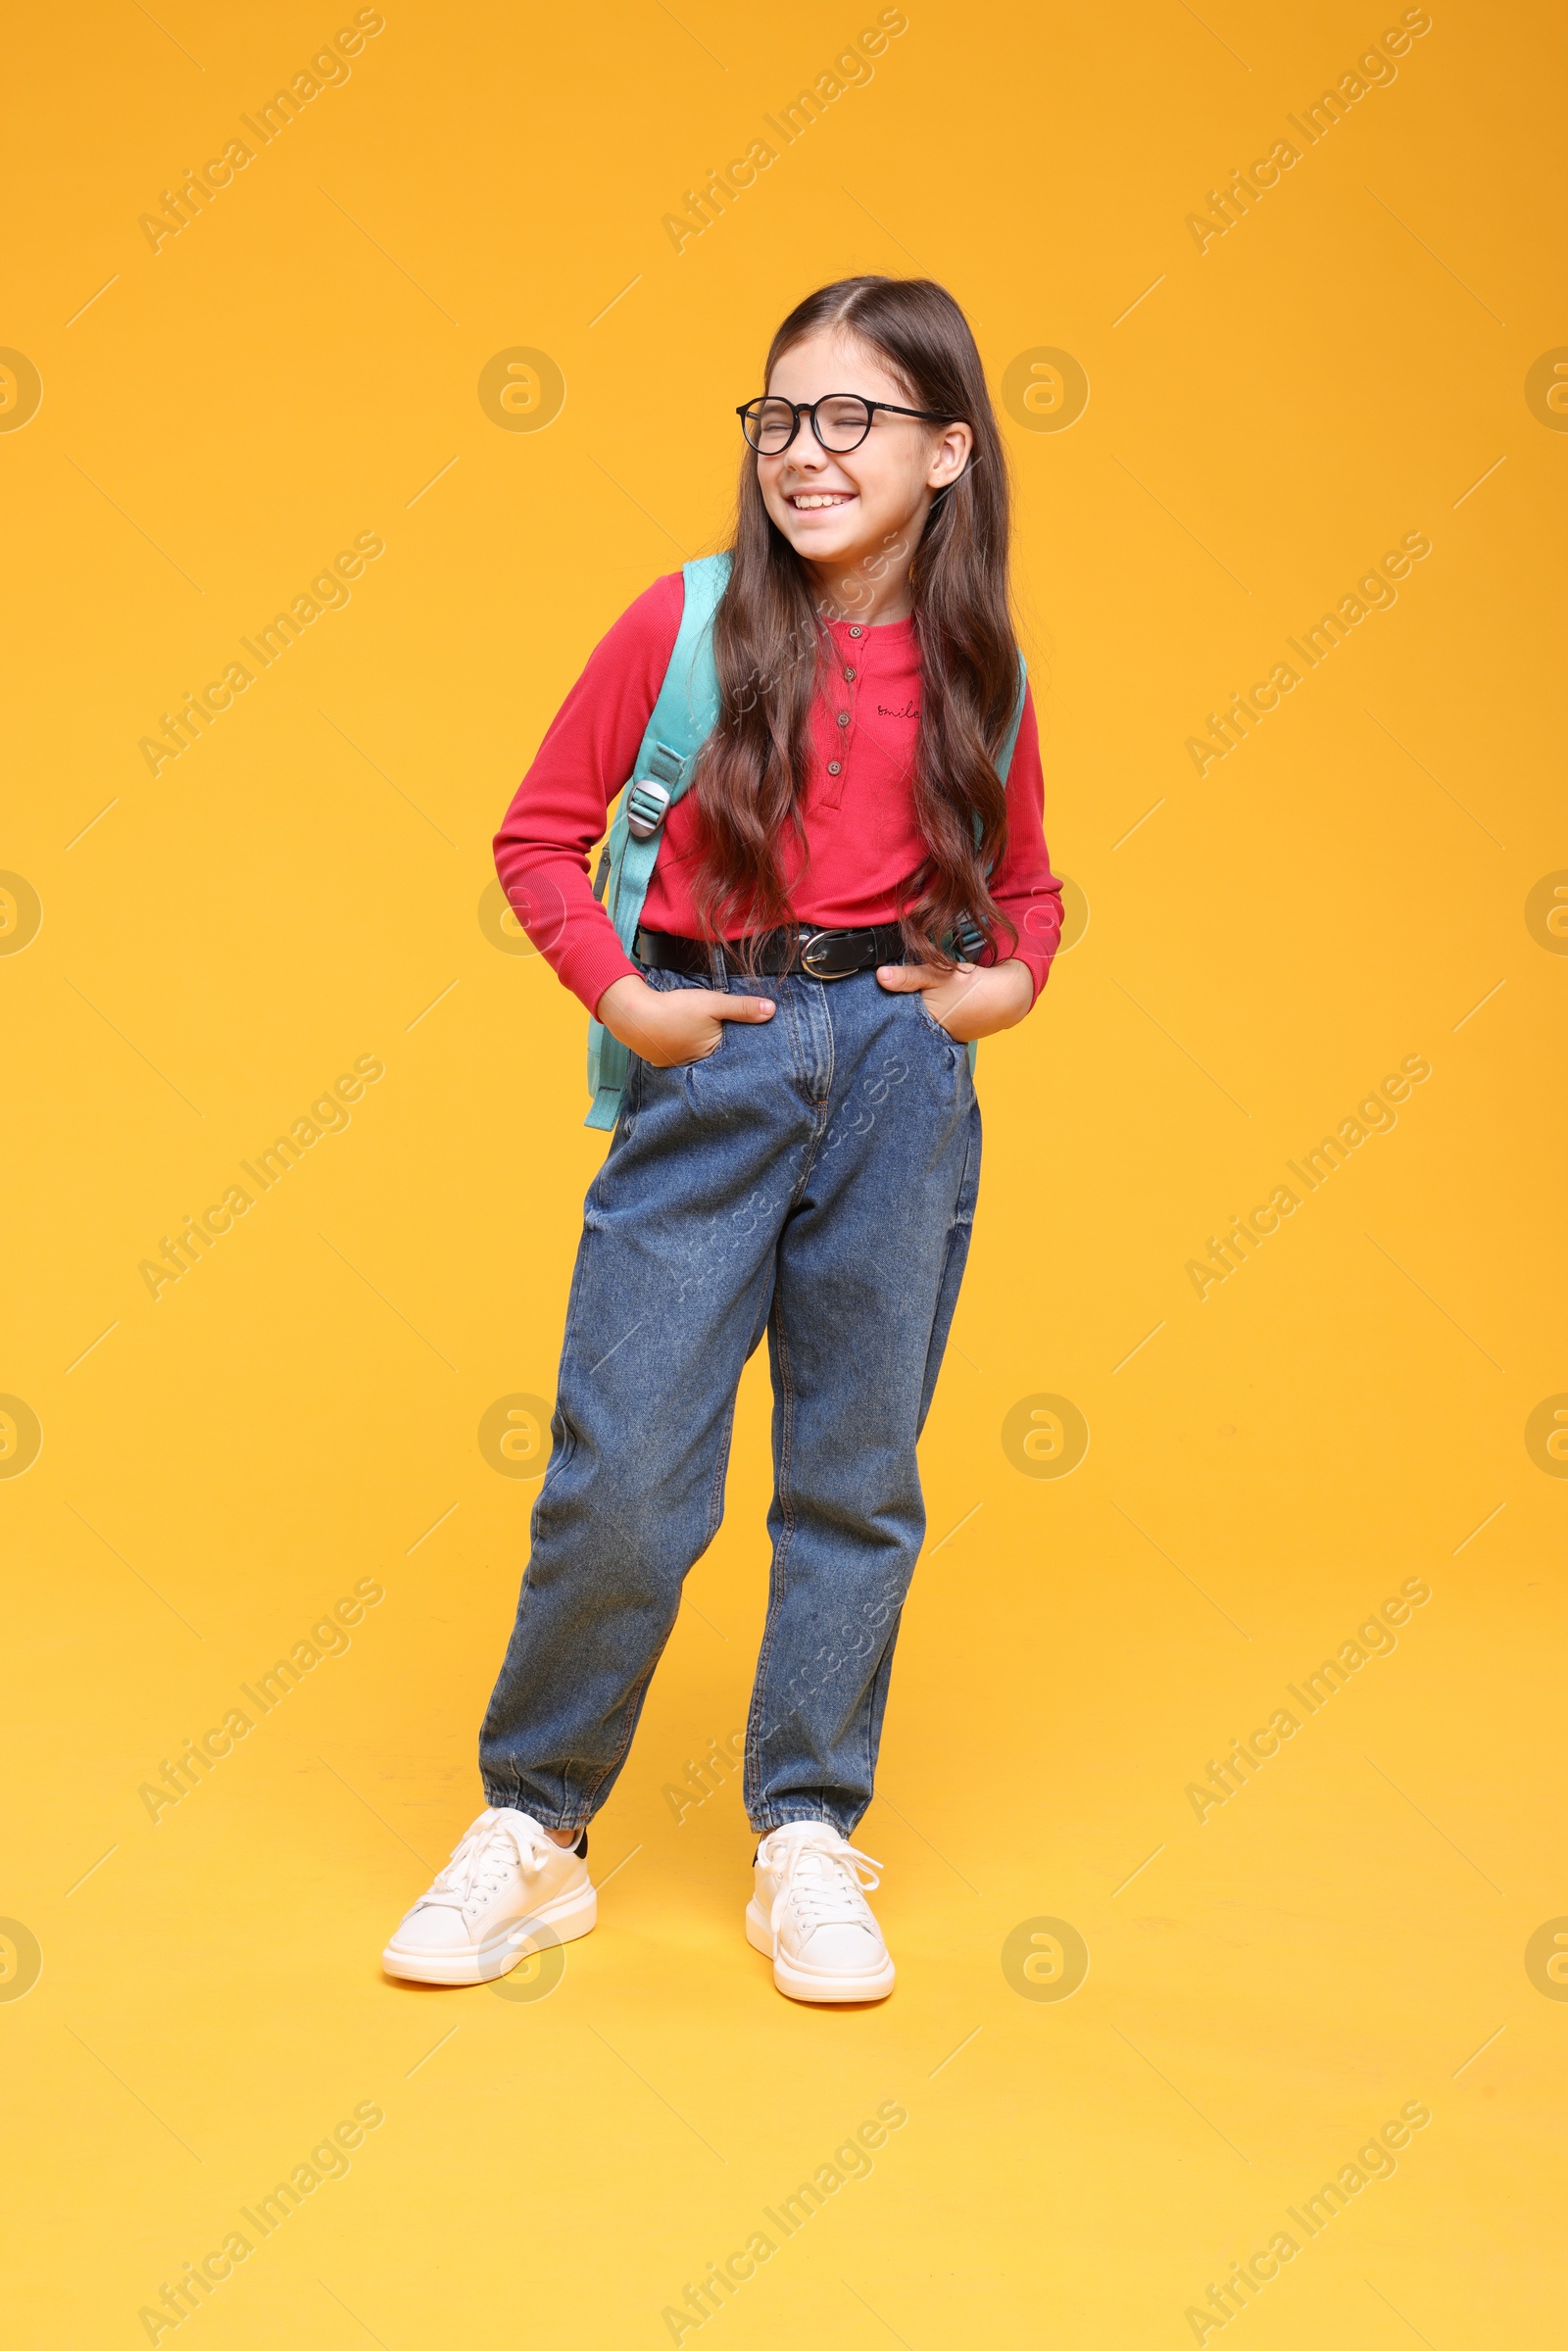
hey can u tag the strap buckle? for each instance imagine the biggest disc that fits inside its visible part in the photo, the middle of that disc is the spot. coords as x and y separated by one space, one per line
647 806
820 945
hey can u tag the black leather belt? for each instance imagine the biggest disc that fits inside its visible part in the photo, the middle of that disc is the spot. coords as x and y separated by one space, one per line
820 955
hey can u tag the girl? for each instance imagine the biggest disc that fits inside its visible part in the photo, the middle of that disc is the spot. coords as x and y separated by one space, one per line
845 897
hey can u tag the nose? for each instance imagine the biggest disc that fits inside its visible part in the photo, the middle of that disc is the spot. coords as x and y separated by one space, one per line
804 454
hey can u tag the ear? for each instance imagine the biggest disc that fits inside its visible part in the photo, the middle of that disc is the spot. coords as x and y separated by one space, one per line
951 456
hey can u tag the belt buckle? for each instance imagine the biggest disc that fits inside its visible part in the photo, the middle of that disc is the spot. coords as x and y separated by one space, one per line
810 946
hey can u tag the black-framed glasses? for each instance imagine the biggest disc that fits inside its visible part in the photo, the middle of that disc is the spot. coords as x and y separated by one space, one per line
839 421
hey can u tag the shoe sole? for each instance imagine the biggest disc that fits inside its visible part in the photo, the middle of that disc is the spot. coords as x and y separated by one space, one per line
799 1984
568 1917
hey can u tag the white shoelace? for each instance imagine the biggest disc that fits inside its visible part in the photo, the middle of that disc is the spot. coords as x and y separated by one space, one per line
823 1876
483 1859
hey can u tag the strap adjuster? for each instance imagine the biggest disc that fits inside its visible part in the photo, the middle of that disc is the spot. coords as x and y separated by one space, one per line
647 806
665 764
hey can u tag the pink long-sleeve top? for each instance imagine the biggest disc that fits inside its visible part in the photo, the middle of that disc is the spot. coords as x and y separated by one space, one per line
863 842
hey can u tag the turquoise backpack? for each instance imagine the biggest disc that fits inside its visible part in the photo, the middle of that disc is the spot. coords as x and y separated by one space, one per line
683 717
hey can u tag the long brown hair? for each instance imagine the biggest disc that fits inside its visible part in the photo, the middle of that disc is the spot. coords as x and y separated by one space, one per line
772 648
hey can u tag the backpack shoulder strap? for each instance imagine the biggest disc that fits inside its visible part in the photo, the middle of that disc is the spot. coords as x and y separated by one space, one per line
1010 741
682 720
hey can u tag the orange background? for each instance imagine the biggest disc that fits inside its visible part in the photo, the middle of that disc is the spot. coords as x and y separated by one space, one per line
1257 947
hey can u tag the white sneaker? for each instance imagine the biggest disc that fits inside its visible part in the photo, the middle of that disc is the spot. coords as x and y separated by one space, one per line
807 1913
506 1879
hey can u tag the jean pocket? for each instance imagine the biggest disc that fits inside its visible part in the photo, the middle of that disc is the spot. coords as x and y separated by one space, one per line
670 983
932 1022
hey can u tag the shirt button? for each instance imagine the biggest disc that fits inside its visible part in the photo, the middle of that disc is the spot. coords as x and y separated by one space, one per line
834 766
849 674
844 718
855 632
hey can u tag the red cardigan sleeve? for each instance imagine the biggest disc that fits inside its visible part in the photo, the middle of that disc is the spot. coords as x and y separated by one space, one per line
558 809
1023 885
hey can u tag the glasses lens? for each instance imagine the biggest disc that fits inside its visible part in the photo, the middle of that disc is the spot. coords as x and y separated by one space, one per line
842 421
769 424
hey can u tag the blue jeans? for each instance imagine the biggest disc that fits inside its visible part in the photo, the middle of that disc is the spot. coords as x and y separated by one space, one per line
815 1177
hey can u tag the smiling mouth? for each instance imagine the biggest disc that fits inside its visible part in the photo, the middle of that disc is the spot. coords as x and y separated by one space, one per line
814 501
